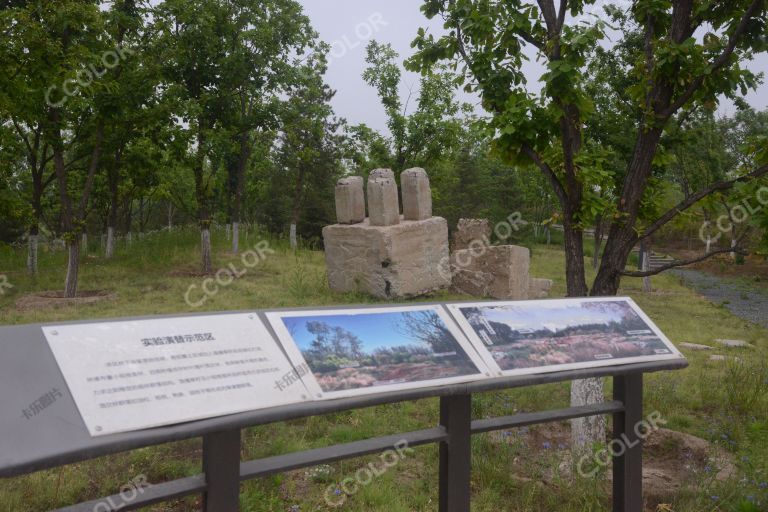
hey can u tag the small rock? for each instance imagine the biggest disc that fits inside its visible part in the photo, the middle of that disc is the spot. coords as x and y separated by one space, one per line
734 343
695 346
718 357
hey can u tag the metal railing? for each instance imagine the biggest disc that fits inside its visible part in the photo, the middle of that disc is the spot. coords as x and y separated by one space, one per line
61 438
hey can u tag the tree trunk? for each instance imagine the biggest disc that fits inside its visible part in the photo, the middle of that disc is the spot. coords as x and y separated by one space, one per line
205 245
587 431
73 268
645 264
32 248
294 242
242 164
598 242
584 431
110 249
85 244
113 179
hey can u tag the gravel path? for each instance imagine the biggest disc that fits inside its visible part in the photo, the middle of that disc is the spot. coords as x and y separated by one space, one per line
740 300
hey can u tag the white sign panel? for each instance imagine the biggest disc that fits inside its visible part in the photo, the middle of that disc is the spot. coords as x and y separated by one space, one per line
352 352
539 336
132 375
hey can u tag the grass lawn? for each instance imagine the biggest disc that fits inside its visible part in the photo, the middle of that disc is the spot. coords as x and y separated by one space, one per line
725 403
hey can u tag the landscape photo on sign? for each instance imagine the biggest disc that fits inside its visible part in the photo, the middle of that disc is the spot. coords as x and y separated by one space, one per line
349 351
533 336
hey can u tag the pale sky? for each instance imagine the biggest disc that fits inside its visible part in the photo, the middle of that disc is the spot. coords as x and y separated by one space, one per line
349 24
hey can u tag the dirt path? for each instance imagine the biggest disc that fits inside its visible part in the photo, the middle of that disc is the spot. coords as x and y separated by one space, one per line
741 300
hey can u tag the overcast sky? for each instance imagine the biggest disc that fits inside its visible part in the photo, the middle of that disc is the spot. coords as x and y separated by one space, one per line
349 24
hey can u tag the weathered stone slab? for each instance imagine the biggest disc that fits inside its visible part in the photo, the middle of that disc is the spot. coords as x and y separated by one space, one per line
417 194
471 232
383 202
695 346
501 272
539 288
734 343
401 260
350 200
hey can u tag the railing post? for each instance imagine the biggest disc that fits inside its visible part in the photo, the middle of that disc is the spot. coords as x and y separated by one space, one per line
627 444
221 465
456 453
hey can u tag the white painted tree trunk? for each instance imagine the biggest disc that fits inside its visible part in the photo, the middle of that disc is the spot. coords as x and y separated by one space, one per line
73 270
205 245
294 242
129 237
85 244
235 237
32 246
646 267
110 250
733 246
586 431
709 244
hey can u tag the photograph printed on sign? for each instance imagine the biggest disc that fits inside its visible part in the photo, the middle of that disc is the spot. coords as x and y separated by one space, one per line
525 337
360 351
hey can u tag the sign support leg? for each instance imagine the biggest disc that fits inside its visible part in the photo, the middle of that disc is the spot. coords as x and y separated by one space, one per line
221 465
627 444
455 453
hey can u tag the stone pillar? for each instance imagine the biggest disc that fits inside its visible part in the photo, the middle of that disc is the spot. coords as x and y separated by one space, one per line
350 200
383 203
381 173
417 196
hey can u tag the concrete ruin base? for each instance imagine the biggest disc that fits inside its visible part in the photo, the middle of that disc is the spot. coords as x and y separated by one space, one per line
400 260
501 272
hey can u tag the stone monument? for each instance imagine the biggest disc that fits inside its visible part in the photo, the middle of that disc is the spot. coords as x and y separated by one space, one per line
387 254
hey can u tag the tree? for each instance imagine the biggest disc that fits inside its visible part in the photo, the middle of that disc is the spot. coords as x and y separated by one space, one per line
52 96
690 55
309 147
258 68
424 135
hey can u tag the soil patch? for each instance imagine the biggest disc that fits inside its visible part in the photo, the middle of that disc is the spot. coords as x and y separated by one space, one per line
672 461
47 300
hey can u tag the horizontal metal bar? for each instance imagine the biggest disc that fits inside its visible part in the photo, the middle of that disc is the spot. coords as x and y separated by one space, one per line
280 463
532 418
136 498
92 447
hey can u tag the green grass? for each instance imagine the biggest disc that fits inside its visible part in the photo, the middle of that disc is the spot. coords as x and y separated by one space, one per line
726 404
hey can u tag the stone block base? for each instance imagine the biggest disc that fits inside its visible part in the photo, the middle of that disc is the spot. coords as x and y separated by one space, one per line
500 271
402 260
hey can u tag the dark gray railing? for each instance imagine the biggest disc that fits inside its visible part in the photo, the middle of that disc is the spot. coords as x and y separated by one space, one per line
58 436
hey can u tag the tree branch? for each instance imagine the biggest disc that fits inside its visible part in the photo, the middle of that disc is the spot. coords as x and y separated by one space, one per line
548 172
698 196
682 263
719 62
